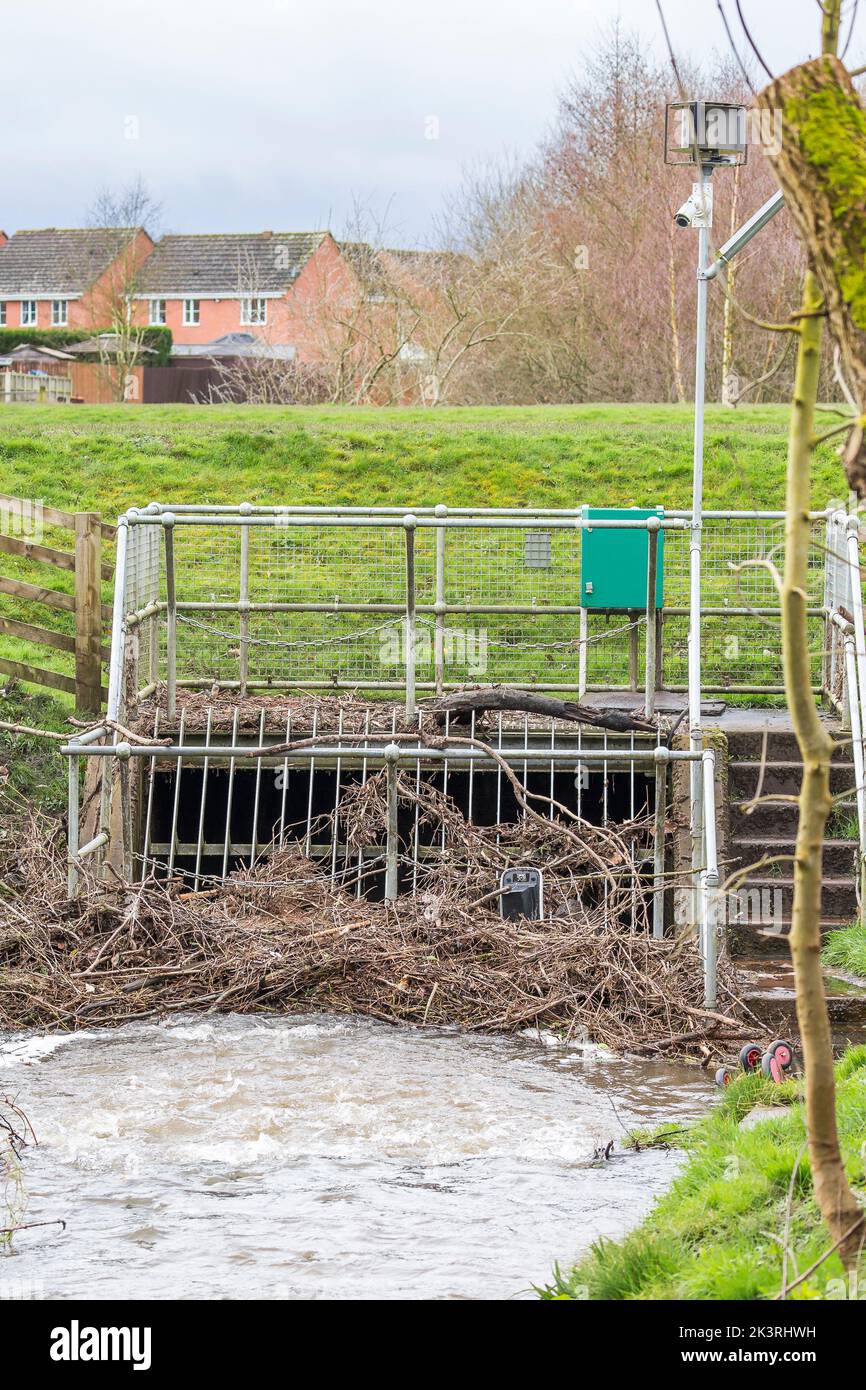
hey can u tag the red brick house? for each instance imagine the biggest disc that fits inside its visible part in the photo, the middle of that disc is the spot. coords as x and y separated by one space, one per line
266 284
67 277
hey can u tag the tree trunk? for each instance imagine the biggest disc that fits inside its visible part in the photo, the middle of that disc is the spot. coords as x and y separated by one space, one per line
821 165
832 1193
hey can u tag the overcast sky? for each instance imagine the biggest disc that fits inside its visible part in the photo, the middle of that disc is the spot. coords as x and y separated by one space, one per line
243 115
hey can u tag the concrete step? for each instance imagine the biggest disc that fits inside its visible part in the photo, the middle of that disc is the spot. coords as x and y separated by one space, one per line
839 857
783 778
767 987
781 746
772 819
775 893
751 940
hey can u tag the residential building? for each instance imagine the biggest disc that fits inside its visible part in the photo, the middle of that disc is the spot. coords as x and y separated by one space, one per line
68 277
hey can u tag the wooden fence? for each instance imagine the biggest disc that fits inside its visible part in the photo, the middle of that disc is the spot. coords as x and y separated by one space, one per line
84 603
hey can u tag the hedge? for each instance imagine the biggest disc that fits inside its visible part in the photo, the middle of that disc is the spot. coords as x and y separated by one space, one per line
60 338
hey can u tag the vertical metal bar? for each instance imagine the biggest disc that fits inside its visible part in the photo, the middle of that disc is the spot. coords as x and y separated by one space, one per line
285 786
308 839
243 608
416 830
172 845
171 614
659 844
229 796
72 830
335 837
148 820
470 802
392 753
856 715
499 778
439 634
254 845
552 746
651 631
709 881
200 840
581 656
153 597
363 784
445 767
409 525
695 543
857 607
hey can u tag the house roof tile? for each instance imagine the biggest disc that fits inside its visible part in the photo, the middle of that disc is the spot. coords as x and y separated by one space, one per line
228 263
58 260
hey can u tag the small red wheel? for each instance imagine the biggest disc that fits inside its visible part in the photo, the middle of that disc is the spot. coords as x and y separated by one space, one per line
723 1077
750 1057
777 1060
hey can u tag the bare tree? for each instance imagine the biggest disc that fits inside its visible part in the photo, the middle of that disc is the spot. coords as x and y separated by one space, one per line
130 217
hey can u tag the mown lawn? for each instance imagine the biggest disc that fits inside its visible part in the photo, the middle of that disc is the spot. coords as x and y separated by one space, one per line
112 457
720 1232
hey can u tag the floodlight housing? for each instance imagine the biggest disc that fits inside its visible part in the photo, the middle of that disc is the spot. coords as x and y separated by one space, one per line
707 133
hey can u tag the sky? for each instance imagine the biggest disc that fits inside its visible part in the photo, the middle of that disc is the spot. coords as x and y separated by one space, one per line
245 115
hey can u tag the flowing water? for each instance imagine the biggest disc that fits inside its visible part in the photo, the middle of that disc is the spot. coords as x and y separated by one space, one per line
318 1157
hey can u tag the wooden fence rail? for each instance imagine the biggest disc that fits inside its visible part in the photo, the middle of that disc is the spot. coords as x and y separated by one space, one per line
85 603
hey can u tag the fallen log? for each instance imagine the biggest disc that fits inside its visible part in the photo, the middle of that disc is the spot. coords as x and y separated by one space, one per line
463 703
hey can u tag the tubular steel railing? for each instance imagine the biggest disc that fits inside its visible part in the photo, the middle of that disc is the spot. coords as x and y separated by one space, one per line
266 599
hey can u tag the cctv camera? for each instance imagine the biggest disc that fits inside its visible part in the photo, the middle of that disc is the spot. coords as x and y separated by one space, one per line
697 210
685 215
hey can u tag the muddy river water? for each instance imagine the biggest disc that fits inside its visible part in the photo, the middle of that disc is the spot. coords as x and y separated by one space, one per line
318 1157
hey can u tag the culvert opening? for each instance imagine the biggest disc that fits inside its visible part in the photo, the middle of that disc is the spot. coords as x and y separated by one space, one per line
207 824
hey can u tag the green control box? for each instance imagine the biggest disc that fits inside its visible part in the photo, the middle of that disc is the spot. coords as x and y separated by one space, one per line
613 563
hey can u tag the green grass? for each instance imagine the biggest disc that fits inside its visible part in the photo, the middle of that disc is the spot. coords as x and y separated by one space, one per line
108 458
112 457
846 949
718 1232
31 767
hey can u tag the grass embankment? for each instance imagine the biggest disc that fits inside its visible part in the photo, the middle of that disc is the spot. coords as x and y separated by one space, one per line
743 1196
111 457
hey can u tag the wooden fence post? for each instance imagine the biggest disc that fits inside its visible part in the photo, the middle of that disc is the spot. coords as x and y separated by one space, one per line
88 613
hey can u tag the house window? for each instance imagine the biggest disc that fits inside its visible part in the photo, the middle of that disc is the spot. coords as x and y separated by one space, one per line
59 313
2 314
254 311
191 312
157 311
28 313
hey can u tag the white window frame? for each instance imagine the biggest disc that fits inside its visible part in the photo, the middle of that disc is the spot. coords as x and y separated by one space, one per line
191 313
32 306
254 311
2 313
61 321
157 315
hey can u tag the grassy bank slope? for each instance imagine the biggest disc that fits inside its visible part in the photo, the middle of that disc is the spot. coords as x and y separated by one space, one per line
719 1233
111 457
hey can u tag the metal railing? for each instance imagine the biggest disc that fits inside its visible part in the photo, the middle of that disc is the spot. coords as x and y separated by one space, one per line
262 599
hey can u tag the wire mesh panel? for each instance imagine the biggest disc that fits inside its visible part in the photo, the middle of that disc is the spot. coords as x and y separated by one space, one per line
293 601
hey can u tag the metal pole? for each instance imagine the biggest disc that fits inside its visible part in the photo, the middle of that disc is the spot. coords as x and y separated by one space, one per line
72 830
171 613
853 524
662 759
439 606
243 606
855 710
651 629
709 881
695 733
409 524
391 753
